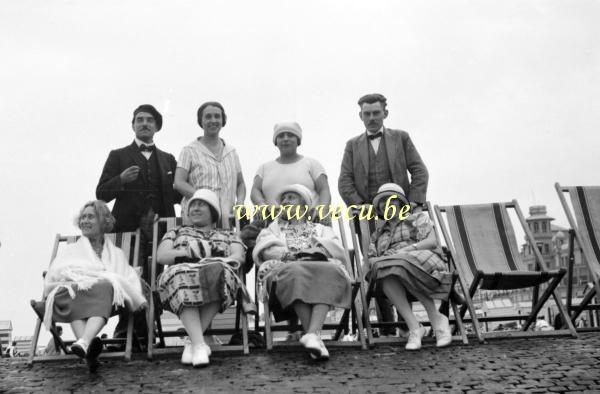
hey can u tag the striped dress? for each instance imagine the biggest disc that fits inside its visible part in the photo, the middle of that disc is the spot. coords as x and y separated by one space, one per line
206 171
424 271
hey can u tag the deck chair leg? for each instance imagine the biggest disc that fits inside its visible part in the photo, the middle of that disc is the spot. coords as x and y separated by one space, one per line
459 323
267 318
359 322
469 299
34 341
129 341
591 293
541 301
150 324
565 314
244 319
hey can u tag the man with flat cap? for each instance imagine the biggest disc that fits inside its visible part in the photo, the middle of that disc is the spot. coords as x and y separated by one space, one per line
377 156
139 177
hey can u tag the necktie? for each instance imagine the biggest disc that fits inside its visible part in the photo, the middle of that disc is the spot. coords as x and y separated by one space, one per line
146 148
374 136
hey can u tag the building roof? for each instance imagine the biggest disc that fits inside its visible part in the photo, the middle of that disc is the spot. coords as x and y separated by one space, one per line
5 325
554 227
538 212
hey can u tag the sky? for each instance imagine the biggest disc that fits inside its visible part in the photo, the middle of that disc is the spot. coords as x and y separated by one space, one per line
499 97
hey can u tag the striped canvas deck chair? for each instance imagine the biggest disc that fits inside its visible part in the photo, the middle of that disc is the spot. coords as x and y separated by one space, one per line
221 324
130 244
338 328
365 240
484 249
584 219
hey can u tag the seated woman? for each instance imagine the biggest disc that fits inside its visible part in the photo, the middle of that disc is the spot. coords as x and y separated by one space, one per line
201 278
301 270
405 260
87 280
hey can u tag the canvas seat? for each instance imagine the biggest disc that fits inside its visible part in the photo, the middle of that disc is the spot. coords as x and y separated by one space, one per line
484 249
584 219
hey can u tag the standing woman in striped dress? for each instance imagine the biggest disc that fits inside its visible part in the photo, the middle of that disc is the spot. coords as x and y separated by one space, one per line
209 163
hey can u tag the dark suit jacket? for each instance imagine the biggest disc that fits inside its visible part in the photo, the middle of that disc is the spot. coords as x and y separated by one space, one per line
130 198
403 159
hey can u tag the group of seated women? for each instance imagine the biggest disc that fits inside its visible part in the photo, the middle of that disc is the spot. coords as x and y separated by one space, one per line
300 272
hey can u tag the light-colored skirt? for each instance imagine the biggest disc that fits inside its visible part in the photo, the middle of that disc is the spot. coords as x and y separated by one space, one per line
312 282
194 285
421 271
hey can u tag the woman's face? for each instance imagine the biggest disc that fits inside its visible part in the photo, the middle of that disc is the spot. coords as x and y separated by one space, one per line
393 202
89 223
287 143
291 198
199 213
212 120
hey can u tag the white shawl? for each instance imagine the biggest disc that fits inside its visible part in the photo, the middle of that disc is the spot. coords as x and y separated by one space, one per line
78 267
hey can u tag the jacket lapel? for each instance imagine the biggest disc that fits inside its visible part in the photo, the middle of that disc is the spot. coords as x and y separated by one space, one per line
392 149
363 151
137 157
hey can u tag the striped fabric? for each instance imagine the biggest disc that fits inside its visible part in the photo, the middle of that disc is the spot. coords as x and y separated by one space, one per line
483 239
586 207
206 172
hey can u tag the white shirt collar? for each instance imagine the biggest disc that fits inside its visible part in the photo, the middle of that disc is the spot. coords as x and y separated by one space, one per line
378 131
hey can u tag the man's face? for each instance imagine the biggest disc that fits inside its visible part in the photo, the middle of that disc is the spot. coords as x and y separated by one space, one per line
373 115
144 126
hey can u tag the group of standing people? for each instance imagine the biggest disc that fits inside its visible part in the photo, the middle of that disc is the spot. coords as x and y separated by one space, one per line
299 262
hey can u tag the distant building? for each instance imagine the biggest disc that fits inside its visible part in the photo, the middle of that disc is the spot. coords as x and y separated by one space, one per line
23 345
5 333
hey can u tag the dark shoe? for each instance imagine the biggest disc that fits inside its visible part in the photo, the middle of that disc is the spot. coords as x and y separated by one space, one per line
456 297
93 353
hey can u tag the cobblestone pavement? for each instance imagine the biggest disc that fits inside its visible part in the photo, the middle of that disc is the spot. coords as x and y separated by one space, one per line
510 365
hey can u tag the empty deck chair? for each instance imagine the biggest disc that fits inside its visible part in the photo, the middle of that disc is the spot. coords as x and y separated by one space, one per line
584 220
484 249
130 244
365 240
161 226
341 327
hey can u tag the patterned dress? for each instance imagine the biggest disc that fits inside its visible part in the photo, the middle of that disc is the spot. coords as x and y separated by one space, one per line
195 284
312 282
424 271
206 171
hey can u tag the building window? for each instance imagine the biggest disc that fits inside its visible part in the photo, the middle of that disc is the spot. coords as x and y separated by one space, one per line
536 227
544 227
546 248
540 246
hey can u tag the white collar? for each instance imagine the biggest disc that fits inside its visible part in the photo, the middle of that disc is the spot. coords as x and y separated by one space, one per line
378 131
140 142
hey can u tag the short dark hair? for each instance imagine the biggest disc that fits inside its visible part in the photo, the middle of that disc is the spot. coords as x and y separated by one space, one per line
152 111
372 98
214 104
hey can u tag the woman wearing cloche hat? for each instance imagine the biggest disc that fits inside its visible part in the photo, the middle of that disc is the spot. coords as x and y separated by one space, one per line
405 260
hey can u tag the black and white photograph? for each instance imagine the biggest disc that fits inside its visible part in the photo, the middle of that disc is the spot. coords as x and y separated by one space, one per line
384 196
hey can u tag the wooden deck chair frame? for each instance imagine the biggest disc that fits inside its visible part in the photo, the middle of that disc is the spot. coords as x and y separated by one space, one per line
121 240
365 242
154 301
356 307
589 244
498 280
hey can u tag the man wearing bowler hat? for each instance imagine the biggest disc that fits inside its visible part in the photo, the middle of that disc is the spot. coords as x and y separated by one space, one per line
139 177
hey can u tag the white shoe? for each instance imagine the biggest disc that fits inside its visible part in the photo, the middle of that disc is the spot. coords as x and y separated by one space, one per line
443 335
312 343
79 348
186 356
324 352
414 339
199 355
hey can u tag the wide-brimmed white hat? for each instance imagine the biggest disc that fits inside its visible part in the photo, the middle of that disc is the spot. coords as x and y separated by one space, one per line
210 198
287 127
385 191
301 190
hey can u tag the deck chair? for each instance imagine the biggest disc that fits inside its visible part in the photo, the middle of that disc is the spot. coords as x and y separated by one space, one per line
484 248
130 244
365 239
584 220
342 326
161 226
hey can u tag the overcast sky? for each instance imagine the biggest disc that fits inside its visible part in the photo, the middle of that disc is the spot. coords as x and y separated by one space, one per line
500 97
